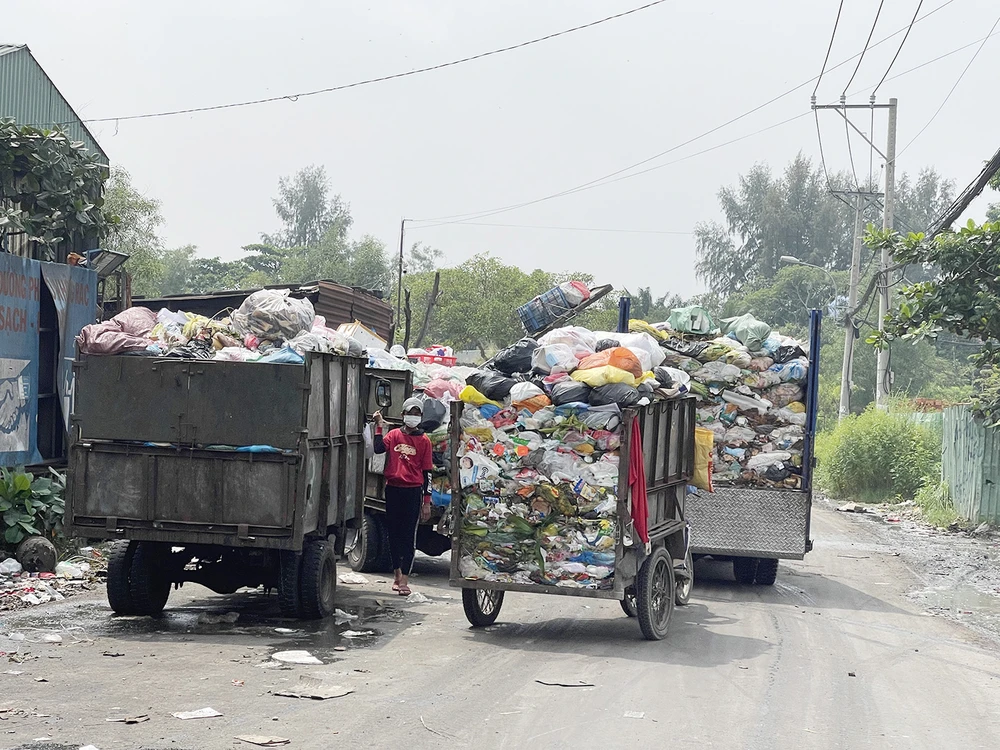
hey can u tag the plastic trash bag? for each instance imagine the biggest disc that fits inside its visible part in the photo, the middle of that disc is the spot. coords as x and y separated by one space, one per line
601 376
749 331
137 321
434 413
570 391
784 394
446 390
694 319
619 357
284 356
491 384
554 359
717 373
524 391
470 395
272 315
474 468
704 442
615 393
762 461
792 371
645 347
604 344
760 364
516 357
575 292
746 403
787 353
787 416
580 340
739 436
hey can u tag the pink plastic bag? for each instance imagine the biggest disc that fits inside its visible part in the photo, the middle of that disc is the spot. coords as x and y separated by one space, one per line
137 321
443 389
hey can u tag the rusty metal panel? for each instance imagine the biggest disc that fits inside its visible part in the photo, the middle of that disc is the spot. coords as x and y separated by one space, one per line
342 304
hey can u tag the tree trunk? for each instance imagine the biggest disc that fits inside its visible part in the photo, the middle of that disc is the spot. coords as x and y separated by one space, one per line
435 290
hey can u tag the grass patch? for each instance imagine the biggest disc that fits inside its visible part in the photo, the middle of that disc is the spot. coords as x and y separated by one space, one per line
934 501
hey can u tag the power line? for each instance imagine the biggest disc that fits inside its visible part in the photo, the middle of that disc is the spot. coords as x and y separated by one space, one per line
899 49
381 79
565 229
952 91
865 50
829 47
490 212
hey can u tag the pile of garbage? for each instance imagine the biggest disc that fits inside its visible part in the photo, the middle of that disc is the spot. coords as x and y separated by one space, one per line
270 326
750 382
21 589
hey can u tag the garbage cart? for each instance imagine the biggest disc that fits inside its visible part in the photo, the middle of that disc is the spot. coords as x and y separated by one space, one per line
560 532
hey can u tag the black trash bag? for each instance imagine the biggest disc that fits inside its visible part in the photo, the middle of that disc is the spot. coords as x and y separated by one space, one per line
192 350
663 377
687 348
645 388
615 393
433 414
778 472
515 358
787 354
604 344
493 385
569 391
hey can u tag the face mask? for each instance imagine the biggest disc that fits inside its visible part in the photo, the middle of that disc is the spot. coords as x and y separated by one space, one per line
412 420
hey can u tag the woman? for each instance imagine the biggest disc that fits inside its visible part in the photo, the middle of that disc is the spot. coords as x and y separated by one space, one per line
408 465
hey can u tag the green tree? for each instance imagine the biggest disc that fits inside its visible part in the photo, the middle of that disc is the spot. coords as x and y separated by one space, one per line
136 232
307 211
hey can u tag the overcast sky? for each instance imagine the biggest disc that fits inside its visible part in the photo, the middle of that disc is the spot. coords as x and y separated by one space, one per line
506 129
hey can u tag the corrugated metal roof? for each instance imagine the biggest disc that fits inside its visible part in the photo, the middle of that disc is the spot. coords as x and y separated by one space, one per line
29 96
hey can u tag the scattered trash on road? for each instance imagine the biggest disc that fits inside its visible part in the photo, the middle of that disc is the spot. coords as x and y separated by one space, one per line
417 598
206 618
355 579
851 674
563 683
201 713
295 657
263 741
285 631
315 688
238 683
635 714
357 633
341 616
129 719
112 654
852 508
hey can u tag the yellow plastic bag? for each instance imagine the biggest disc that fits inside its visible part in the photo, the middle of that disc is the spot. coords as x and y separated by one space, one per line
704 441
797 407
470 395
598 376
641 326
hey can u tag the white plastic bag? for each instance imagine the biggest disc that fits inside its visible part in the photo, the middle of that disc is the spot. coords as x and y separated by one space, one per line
746 403
580 340
554 359
369 441
272 315
717 372
524 391
762 461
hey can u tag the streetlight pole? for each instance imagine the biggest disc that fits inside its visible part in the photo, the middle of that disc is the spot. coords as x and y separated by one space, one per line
399 284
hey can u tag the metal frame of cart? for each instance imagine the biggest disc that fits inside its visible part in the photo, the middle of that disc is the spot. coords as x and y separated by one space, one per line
647 585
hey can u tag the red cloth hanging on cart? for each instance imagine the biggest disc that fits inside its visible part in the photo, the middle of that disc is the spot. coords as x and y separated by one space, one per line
637 484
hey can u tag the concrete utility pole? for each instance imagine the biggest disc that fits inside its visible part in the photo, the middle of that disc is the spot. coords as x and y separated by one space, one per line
883 376
847 369
399 285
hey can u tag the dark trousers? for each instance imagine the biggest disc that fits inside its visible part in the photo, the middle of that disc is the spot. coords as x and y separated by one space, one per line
402 515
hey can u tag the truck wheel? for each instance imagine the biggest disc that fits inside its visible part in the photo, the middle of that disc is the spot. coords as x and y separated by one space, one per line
384 562
745 569
289 567
685 585
767 571
364 555
655 590
318 579
482 606
629 606
148 580
119 577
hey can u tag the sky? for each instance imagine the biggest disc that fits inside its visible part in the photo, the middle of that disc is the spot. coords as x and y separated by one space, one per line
506 129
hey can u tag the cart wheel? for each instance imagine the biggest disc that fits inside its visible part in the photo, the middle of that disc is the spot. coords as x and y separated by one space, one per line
119 577
767 571
684 585
317 580
148 583
363 556
655 591
745 569
482 606
383 563
289 568
629 605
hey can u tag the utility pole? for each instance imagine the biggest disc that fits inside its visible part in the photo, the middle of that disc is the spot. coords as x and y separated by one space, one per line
883 376
399 285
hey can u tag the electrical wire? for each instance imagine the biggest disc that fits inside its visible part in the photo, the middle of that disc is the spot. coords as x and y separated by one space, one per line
513 207
952 90
564 229
829 48
865 50
380 79
899 49
822 159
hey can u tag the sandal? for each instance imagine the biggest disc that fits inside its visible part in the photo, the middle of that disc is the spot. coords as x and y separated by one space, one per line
395 587
404 590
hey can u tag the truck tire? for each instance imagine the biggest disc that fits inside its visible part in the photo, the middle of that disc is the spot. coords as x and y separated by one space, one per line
119 577
745 569
767 571
629 605
364 555
318 580
384 562
685 585
482 606
289 567
148 581
655 590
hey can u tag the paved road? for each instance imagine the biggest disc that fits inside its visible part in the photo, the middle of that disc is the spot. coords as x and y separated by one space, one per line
834 656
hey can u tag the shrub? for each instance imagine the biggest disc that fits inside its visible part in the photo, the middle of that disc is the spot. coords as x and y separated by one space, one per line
877 456
935 504
30 505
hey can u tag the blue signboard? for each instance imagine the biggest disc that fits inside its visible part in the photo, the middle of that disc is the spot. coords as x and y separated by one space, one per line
20 285
74 292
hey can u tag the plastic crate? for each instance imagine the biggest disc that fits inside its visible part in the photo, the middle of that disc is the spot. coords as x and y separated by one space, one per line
433 359
543 310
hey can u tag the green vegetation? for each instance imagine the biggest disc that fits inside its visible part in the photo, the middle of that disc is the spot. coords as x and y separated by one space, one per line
878 456
934 501
31 505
